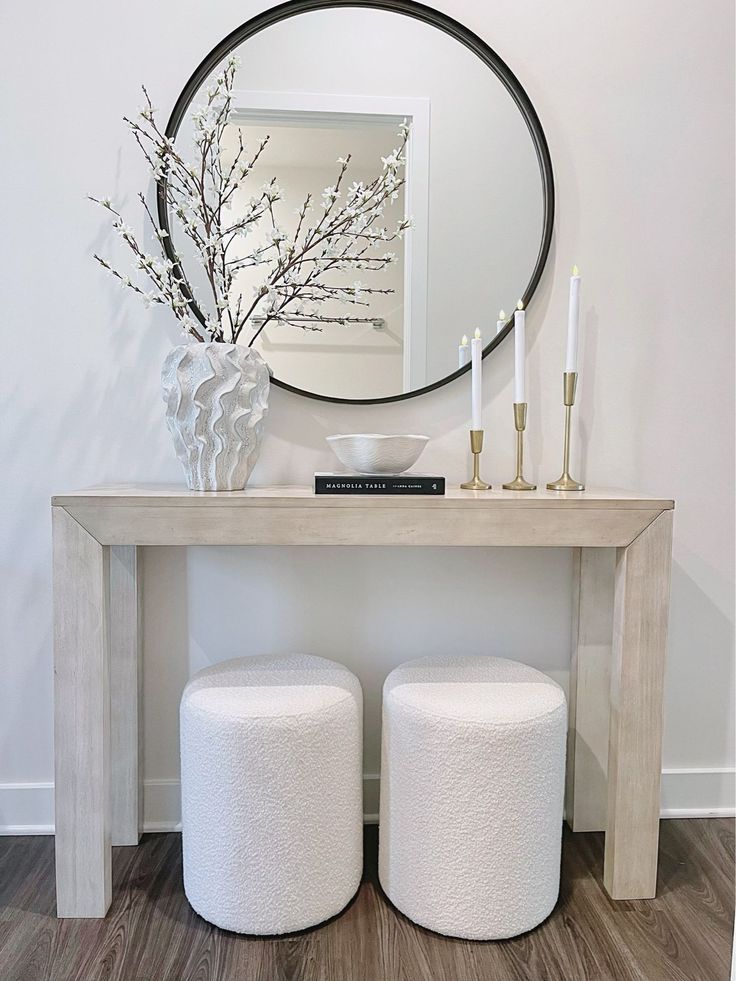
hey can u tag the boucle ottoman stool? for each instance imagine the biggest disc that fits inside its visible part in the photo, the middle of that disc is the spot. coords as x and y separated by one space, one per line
472 777
271 786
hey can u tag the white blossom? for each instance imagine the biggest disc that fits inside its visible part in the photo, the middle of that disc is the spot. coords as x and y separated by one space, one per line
296 260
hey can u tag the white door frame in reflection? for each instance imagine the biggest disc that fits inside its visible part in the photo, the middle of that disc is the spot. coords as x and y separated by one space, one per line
264 106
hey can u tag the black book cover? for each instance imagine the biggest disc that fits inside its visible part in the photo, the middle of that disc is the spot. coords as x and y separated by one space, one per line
405 483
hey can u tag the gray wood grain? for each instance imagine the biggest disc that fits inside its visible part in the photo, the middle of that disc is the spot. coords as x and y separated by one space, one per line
151 933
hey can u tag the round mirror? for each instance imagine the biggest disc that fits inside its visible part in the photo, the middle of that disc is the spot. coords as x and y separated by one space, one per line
396 193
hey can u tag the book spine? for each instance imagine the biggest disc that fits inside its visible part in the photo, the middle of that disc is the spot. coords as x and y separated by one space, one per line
432 486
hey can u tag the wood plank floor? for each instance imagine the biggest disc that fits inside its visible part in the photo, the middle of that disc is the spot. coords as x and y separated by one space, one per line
151 934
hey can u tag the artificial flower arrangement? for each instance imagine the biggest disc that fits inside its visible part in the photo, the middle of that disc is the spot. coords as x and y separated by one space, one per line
344 231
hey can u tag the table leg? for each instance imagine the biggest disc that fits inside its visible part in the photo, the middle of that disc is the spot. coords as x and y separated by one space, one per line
125 700
82 720
588 702
641 607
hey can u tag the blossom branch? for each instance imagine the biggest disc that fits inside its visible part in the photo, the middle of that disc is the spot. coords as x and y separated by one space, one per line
200 196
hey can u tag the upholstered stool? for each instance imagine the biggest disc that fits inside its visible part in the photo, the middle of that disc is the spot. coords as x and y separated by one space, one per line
472 777
271 781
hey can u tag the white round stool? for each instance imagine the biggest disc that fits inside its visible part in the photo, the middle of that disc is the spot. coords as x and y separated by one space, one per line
271 786
472 779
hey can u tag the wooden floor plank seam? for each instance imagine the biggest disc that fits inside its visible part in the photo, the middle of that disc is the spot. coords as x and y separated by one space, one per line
152 934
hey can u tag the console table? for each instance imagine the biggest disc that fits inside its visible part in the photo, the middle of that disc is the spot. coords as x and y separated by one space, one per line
622 544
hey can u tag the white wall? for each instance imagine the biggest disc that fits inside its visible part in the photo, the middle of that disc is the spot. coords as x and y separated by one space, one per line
636 100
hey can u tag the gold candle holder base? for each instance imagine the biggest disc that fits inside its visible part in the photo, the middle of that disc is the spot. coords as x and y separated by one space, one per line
519 483
476 447
566 482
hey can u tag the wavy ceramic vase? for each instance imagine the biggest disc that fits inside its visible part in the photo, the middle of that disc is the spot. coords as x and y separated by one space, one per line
216 399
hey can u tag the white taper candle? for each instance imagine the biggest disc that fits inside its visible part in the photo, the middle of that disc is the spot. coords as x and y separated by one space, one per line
519 353
463 352
476 355
501 322
573 321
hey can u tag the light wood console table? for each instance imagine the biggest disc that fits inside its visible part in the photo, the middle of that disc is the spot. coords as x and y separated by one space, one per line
622 545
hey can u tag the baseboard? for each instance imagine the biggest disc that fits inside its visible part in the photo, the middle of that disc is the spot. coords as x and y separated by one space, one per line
19 830
704 791
28 808
161 805
162 812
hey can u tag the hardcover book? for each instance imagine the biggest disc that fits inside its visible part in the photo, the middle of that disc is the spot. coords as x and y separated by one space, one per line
357 483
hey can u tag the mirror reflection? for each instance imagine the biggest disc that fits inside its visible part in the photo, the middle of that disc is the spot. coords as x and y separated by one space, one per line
404 202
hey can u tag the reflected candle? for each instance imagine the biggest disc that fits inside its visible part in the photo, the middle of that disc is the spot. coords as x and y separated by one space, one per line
476 354
519 353
573 321
463 352
501 322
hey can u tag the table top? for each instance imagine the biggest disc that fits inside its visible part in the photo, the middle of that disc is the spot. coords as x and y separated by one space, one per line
174 495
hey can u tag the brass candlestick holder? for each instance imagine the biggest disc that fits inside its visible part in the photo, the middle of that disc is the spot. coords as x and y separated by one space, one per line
476 447
519 483
565 482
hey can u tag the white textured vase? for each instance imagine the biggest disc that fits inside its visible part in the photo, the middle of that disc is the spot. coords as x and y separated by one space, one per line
216 399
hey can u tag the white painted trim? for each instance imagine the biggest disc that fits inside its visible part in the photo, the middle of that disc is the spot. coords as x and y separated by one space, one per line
285 108
20 830
697 812
28 808
251 105
706 791
161 803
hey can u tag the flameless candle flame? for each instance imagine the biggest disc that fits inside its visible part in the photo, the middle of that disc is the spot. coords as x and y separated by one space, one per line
477 334
519 305
502 315
464 341
575 271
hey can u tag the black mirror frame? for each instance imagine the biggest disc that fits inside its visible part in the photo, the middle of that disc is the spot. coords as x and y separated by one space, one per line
427 15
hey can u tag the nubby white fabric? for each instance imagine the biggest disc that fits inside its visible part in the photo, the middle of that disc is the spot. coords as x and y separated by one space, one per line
472 778
272 811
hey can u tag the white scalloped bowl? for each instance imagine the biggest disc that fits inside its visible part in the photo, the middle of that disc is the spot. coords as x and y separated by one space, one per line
373 454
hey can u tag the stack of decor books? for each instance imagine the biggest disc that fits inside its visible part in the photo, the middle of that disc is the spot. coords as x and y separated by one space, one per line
361 483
